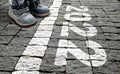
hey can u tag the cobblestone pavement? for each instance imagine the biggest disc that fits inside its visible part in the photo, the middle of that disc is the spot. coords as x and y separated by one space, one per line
79 37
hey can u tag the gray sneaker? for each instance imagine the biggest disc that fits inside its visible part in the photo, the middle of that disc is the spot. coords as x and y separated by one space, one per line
19 12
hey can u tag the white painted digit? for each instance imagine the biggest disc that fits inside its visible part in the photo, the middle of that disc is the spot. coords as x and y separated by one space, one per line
81 9
98 59
83 16
92 31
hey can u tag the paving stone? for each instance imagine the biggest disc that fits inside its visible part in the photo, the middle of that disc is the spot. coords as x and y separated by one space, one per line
47 3
75 3
5 39
108 24
108 44
113 55
8 63
48 61
108 68
26 34
25 72
26 63
53 42
5 72
47 73
62 10
11 29
9 50
57 35
109 30
115 18
110 36
39 41
66 2
76 67
45 34
20 41
37 51
97 37
57 29
105 18
76 43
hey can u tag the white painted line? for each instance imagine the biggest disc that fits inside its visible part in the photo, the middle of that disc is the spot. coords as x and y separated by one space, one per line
50 18
47 22
26 72
45 34
62 43
35 51
31 65
28 63
61 56
45 28
39 41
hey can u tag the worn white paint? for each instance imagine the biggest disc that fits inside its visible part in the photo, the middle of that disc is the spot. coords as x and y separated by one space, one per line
79 12
62 43
28 63
25 72
38 51
69 8
39 41
44 34
90 32
97 59
100 56
64 31
80 16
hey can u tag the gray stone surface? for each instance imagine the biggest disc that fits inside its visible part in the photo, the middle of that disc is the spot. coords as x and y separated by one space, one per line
105 18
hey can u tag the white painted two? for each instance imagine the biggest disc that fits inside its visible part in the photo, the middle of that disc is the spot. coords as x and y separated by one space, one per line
29 63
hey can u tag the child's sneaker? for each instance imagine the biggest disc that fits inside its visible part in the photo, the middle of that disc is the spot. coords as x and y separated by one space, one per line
19 12
38 10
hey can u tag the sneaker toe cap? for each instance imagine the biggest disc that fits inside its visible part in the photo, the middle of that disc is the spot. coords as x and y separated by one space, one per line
41 10
26 20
